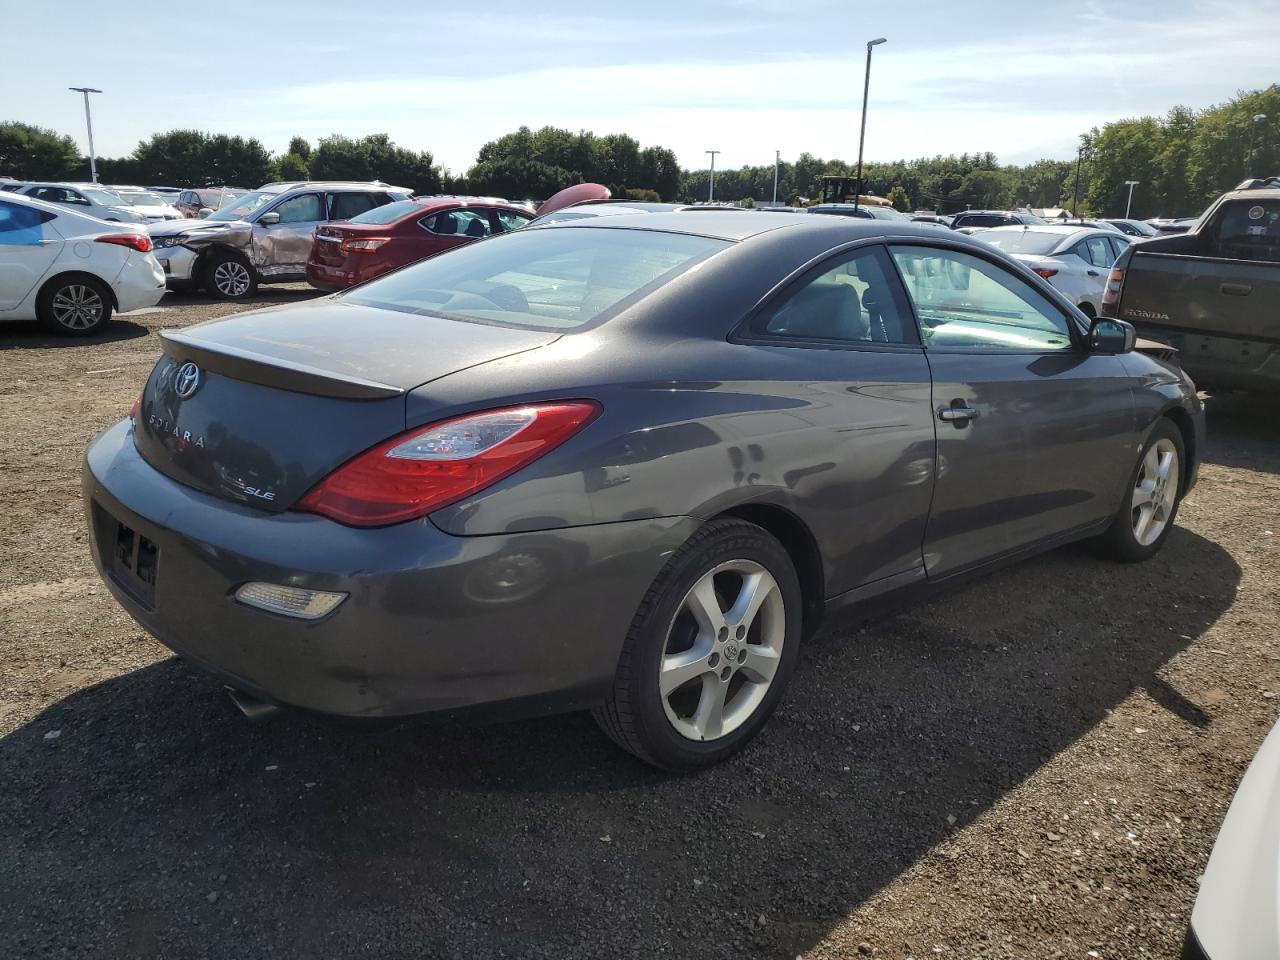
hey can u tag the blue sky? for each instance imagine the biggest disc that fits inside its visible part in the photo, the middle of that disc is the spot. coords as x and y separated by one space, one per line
1021 79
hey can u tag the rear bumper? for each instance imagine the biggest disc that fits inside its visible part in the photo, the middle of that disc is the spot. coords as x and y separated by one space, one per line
141 283
521 623
324 276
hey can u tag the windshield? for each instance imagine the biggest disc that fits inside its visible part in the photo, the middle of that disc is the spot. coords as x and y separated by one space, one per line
388 212
243 206
1021 241
102 197
143 200
555 279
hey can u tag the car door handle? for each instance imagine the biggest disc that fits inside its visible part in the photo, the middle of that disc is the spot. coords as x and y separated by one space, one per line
1237 289
1094 273
958 412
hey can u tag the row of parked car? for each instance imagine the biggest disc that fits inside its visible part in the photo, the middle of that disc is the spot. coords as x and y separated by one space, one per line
121 203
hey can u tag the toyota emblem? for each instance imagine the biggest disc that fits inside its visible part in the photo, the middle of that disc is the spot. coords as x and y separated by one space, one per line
187 380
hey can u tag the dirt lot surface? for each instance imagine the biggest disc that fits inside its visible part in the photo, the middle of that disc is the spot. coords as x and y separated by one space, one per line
1032 765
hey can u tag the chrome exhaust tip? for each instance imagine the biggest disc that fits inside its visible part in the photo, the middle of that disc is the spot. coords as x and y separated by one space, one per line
254 710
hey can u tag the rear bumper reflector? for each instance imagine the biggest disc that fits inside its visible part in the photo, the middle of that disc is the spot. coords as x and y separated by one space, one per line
289 601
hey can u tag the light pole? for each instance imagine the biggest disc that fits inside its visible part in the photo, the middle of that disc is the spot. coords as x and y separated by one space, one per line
777 157
711 193
866 87
1130 184
1253 137
88 122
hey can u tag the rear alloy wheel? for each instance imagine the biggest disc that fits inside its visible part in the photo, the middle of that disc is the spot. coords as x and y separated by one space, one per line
76 306
1151 501
710 650
227 277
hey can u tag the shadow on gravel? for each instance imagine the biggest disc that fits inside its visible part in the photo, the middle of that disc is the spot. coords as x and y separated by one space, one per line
1243 431
158 822
27 335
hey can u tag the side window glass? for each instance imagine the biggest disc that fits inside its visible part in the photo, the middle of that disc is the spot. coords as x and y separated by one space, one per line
473 223
856 301
1099 253
20 224
303 209
965 302
344 206
511 221
1118 246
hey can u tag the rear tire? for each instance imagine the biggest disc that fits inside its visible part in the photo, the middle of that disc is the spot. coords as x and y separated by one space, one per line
228 276
1151 499
710 650
75 305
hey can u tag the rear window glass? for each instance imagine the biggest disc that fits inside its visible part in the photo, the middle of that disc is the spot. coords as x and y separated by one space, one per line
388 213
556 279
981 220
1249 230
1035 242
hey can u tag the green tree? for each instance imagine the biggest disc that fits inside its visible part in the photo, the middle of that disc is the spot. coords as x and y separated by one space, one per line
898 197
33 153
374 157
193 158
292 167
300 148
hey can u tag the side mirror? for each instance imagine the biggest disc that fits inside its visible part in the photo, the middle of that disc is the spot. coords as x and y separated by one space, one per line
204 212
1112 336
269 219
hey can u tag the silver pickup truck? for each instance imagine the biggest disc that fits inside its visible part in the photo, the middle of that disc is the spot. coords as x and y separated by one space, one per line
1213 292
263 237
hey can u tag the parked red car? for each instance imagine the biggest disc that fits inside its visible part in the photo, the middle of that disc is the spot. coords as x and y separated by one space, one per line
384 238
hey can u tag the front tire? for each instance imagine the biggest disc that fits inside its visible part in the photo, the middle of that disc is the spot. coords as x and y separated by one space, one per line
76 305
1151 499
710 650
229 277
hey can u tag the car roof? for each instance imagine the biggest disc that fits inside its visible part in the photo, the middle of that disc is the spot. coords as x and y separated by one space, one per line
283 186
1253 193
723 224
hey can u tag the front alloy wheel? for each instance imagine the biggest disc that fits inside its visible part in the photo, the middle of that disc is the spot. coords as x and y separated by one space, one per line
1151 499
710 650
1155 492
229 278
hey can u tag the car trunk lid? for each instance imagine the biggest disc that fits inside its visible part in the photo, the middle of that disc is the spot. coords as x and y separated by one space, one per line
329 237
259 407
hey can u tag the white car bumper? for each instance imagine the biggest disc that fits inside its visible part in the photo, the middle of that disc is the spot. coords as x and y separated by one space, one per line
139 284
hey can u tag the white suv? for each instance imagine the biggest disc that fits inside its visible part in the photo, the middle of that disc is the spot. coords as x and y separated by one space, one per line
90 198
71 270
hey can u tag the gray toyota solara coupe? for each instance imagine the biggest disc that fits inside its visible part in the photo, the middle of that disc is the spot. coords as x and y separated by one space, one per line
623 463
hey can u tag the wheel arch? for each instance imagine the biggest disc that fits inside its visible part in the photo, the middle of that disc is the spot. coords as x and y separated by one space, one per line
1186 426
799 542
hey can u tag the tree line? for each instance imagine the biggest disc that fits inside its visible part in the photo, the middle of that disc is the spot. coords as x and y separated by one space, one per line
1181 162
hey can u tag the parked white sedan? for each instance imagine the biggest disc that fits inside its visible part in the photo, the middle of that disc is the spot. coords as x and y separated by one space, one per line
71 270
90 198
1074 259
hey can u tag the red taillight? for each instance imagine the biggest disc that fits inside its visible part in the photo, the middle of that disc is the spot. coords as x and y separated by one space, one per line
133 411
1045 272
1111 295
363 245
136 241
431 467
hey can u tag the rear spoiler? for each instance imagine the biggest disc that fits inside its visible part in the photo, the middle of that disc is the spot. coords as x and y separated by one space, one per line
272 371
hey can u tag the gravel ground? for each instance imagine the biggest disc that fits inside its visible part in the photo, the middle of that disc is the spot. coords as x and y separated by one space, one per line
1029 765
